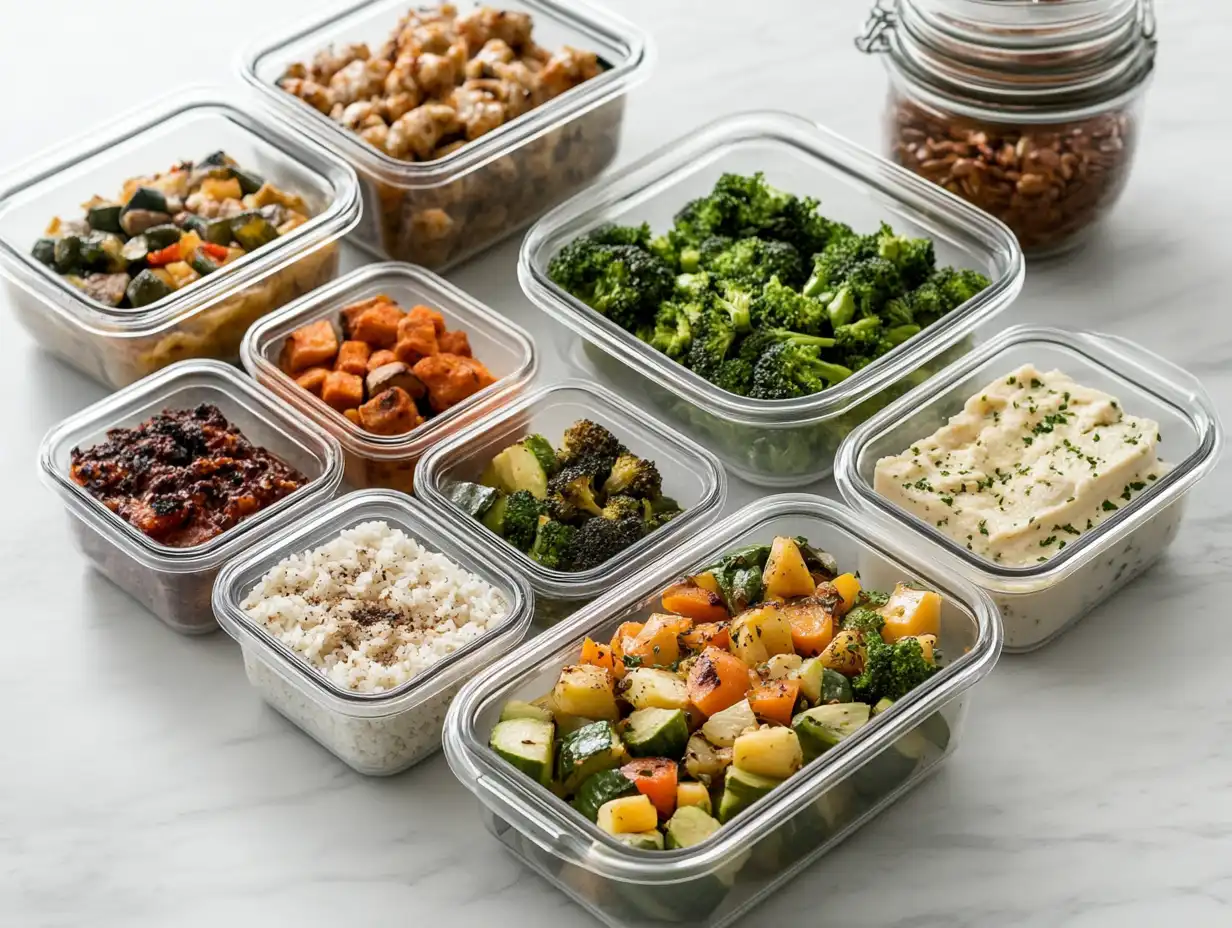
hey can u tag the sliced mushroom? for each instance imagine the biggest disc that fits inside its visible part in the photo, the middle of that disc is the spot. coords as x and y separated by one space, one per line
136 221
395 374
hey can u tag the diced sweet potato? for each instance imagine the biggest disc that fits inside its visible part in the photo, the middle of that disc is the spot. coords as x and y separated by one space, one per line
393 412
451 378
377 325
342 390
314 344
353 358
427 314
394 374
381 358
313 379
416 340
352 414
355 310
455 343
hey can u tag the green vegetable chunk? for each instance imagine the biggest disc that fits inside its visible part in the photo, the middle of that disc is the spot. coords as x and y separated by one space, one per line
657 733
147 288
105 217
252 231
472 498
822 727
688 826
740 790
600 788
527 744
158 237
587 751
516 709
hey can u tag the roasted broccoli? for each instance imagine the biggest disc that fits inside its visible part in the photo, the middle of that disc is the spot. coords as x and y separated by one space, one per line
588 439
890 670
634 476
578 485
624 507
522 512
598 540
551 543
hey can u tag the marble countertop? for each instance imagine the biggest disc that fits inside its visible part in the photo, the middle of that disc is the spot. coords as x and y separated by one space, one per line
143 784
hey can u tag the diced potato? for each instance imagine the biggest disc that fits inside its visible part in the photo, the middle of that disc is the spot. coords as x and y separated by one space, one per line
786 574
783 666
693 794
377 325
844 653
189 242
215 188
848 587
181 273
761 632
587 691
649 688
313 379
769 752
628 815
911 612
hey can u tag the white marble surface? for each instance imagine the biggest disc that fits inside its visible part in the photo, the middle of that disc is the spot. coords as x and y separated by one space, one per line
143 784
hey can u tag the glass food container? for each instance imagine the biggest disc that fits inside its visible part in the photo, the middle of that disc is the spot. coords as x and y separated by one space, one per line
175 583
438 213
384 460
775 443
691 475
1029 110
717 881
207 318
1041 601
377 734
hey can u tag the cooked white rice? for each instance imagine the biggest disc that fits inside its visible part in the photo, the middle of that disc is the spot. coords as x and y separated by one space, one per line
373 608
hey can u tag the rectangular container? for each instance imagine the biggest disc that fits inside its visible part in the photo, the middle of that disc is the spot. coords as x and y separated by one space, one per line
389 460
775 443
437 213
717 881
1041 601
208 318
691 475
378 734
175 583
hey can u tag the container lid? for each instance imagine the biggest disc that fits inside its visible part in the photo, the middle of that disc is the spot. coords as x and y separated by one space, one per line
1145 384
1016 54
679 459
412 517
185 126
626 49
264 420
506 348
565 833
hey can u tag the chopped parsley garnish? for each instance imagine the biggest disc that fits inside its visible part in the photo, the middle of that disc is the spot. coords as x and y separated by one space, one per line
983 526
1108 505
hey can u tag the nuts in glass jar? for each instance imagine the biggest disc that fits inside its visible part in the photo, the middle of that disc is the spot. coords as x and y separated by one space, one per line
1049 183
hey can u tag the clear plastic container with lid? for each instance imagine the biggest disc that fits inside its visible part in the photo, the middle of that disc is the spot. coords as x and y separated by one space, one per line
175 583
439 212
1039 602
715 882
691 475
389 460
1029 110
779 443
377 734
208 317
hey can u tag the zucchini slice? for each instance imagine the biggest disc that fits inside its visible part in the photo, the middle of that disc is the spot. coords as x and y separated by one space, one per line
44 251
527 745
146 198
823 727
516 709
690 825
473 498
146 288
252 231
655 732
740 790
518 467
601 788
105 217
67 253
161 236
587 751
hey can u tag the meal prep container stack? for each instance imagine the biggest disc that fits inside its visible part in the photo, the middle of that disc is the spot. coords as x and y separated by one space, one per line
715 882
378 734
691 475
776 443
175 583
208 318
1041 601
437 213
1029 110
389 460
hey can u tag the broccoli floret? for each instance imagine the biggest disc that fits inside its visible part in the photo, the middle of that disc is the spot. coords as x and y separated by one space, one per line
762 340
561 509
587 439
673 329
624 507
577 483
914 257
778 306
961 285
790 369
611 234
868 286
694 286
890 670
864 619
735 375
714 334
898 311
834 263
945 290
634 476
754 261
551 543
624 282
522 512
577 266
599 540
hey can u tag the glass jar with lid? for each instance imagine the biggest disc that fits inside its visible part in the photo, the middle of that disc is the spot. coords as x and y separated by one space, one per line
1030 109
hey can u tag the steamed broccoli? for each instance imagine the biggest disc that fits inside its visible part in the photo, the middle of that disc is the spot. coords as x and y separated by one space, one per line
624 282
587 439
611 234
791 368
522 512
599 540
673 328
551 543
753 260
634 476
890 670
779 306
914 257
763 340
869 285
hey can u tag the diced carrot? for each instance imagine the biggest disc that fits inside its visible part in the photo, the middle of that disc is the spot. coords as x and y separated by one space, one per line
352 313
343 390
314 344
217 252
812 627
628 630
416 340
377 325
380 359
600 655
717 680
687 598
455 342
353 357
656 779
423 313
775 700
313 379
658 643
706 635
393 412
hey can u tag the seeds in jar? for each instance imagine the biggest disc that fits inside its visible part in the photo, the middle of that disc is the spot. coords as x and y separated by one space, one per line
373 608
184 476
1033 462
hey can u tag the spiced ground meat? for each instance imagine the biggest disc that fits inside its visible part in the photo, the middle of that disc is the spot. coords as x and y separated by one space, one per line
184 476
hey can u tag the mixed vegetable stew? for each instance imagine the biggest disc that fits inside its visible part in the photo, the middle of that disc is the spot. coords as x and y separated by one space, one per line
756 666
166 231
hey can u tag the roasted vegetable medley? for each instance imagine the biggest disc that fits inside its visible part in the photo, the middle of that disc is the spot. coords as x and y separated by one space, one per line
756 291
167 230
756 666
570 508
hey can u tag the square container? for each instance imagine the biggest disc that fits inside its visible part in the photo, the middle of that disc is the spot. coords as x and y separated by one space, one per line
691 475
1041 601
207 318
175 583
378 734
389 460
437 213
717 881
776 442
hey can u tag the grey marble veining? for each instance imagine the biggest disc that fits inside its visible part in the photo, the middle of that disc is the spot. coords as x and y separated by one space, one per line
143 785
